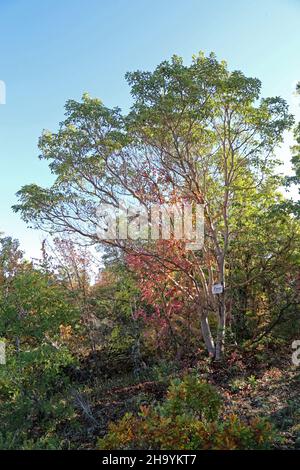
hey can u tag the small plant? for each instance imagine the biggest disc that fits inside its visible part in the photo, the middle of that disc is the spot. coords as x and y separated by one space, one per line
252 380
236 385
192 396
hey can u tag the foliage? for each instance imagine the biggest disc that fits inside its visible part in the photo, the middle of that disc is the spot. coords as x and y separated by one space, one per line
196 134
90 343
192 396
33 399
177 426
291 205
36 321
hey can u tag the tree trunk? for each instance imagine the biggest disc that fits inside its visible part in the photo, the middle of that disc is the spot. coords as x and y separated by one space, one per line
207 336
220 343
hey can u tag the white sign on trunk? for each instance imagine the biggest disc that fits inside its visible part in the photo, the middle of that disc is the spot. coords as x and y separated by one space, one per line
217 289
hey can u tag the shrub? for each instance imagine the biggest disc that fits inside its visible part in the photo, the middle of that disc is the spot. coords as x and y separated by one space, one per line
34 397
153 431
192 396
188 419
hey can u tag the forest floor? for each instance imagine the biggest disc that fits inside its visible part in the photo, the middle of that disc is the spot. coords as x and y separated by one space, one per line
272 393
249 387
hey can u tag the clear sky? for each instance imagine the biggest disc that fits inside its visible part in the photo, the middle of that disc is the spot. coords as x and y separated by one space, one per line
53 50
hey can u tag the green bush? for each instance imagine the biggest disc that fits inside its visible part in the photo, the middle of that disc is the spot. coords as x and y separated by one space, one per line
34 397
192 396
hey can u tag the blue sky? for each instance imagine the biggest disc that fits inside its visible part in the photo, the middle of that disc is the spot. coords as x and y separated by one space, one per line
54 50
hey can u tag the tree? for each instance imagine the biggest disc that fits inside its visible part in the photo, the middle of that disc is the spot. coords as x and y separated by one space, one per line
33 304
197 134
295 179
11 258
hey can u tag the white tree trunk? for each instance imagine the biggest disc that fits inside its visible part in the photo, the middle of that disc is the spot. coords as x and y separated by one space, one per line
220 343
207 336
